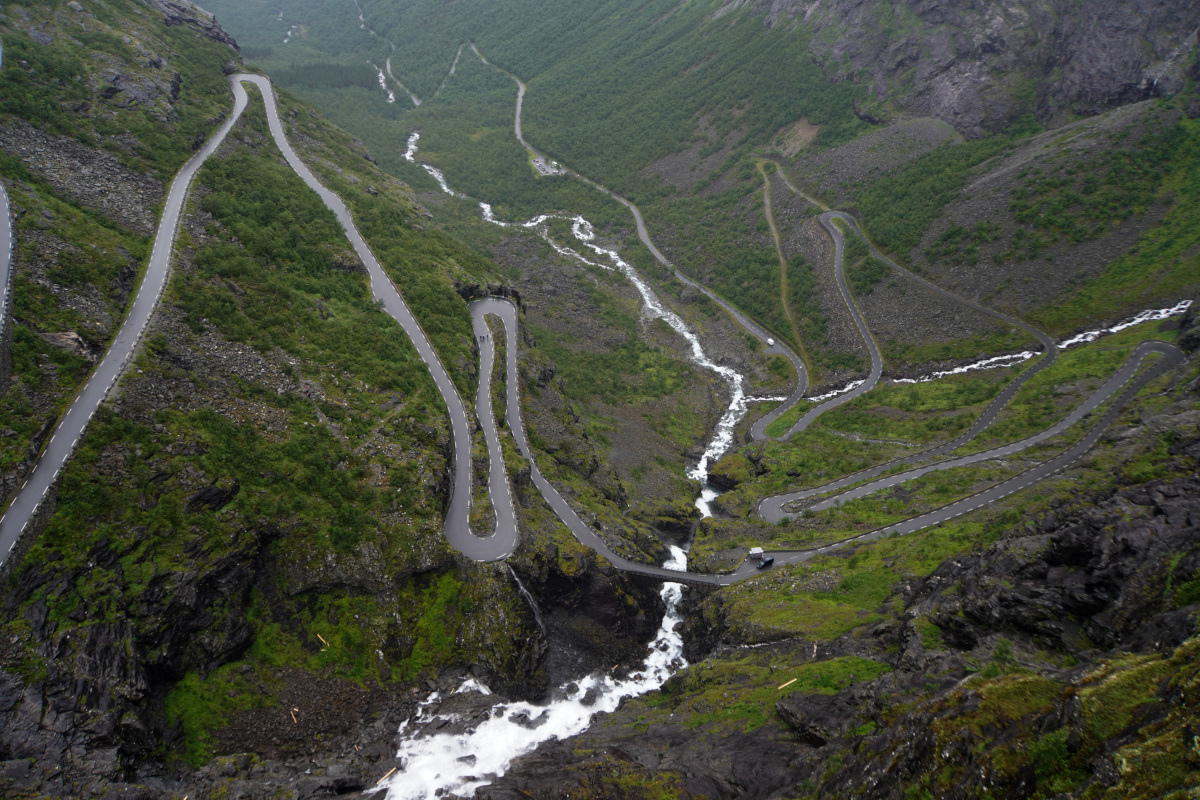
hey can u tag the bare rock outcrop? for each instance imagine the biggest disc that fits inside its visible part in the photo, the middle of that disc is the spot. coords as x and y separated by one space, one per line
980 64
181 12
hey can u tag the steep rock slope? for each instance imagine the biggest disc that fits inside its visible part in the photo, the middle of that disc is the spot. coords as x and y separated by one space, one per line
1058 660
980 65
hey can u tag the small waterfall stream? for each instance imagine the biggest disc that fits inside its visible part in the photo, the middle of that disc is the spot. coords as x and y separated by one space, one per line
482 745
537 612
434 764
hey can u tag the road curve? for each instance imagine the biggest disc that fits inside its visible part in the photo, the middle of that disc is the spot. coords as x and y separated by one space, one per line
772 343
62 442
1172 357
66 434
506 312
503 540
1050 349
772 509
839 274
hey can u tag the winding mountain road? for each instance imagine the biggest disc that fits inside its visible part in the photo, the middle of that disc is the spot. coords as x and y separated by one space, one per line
771 343
772 508
503 541
506 313
62 442
1171 357
876 372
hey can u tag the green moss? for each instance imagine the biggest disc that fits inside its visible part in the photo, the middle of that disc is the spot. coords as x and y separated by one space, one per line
435 629
931 635
740 694
203 705
1009 699
1117 690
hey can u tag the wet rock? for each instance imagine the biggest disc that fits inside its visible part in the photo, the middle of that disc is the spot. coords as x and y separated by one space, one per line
1189 329
470 290
1092 573
525 721
818 719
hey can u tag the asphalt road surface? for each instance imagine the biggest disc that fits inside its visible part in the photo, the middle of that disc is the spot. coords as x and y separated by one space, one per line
1171 358
758 331
771 508
839 274
503 540
66 434
7 248
506 312
458 513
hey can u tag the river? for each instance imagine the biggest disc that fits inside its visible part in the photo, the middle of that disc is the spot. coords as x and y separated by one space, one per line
433 764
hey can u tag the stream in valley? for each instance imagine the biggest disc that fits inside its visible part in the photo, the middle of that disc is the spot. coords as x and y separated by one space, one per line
458 743
482 743
652 309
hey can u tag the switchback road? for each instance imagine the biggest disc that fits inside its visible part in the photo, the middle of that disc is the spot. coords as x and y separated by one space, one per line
458 514
1171 358
771 508
503 541
770 342
68 431
876 372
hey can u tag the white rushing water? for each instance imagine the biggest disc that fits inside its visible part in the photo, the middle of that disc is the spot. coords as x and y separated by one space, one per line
432 766
996 362
459 763
383 84
652 308
1149 315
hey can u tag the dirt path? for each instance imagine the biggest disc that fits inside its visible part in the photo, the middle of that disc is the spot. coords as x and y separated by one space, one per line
783 267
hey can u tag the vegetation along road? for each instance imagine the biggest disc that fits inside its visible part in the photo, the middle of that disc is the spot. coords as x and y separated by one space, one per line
772 508
503 539
66 434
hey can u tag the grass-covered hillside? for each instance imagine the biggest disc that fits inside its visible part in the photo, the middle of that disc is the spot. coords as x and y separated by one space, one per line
251 527
674 106
240 584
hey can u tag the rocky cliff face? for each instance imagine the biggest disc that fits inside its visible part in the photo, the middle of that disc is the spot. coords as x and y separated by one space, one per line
182 12
975 701
981 64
